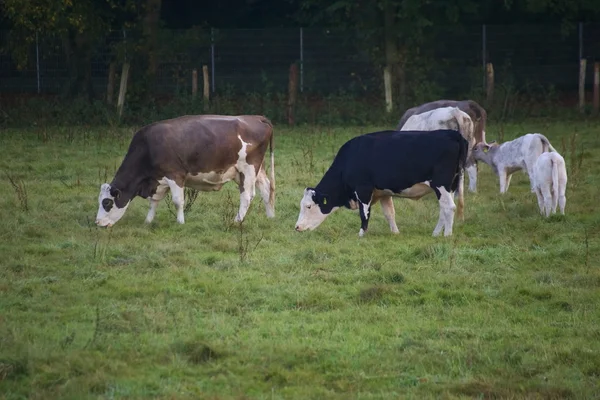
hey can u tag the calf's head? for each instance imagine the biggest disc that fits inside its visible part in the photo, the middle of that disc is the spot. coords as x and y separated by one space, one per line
314 208
483 151
112 205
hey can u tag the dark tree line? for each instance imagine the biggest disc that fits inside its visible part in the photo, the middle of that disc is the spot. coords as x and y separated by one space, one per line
388 29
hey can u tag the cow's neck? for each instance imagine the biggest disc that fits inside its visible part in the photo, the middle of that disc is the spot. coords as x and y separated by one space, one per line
332 186
130 174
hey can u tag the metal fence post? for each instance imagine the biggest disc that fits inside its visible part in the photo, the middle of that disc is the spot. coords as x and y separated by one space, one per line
483 52
212 59
301 61
37 63
580 40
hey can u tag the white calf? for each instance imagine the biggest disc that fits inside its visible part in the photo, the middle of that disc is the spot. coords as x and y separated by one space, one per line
550 183
515 155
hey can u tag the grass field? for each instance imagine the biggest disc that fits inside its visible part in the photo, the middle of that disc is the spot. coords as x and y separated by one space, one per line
505 308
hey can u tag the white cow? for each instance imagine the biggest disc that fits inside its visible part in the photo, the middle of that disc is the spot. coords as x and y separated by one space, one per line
515 155
448 118
550 183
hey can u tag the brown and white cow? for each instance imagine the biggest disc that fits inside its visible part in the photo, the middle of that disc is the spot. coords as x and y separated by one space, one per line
202 152
478 116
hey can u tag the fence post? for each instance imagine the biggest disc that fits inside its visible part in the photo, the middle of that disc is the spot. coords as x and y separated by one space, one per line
582 67
212 58
484 52
205 90
123 88
301 60
596 104
37 63
490 83
292 93
387 83
580 40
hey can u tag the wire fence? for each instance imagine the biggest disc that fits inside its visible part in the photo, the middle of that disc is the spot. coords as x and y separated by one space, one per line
258 60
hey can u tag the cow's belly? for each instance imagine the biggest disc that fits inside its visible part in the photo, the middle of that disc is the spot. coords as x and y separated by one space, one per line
210 181
415 192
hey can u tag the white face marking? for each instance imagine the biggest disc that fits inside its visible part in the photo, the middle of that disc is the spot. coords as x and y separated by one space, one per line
106 200
310 213
361 233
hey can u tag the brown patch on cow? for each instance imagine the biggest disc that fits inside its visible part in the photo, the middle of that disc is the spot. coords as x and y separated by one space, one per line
241 184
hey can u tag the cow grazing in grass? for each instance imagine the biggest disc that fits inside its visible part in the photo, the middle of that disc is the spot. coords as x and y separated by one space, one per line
202 152
478 116
550 183
445 118
376 166
515 155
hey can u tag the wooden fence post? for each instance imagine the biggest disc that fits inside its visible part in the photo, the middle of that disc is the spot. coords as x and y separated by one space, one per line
582 67
387 83
123 89
206 87
194 82
110 87
596 104
292 92
489 73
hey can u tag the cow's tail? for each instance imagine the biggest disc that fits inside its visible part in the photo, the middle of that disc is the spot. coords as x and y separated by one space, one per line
463 149
546 145
555 188
272 180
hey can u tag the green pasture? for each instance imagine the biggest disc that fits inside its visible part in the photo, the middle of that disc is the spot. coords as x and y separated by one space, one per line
507 307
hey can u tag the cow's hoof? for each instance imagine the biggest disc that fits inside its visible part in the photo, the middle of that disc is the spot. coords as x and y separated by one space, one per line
361 233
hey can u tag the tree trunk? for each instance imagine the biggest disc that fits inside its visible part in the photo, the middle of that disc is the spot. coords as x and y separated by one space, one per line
151 25
79 61
392 54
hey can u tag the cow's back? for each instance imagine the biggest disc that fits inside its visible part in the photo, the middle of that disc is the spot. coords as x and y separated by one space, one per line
396 160
203 143
473 109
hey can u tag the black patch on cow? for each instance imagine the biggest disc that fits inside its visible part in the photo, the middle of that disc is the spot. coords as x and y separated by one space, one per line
147 188
107 204
321 200
114 192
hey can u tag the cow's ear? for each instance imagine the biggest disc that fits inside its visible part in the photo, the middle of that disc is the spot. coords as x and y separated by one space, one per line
114 192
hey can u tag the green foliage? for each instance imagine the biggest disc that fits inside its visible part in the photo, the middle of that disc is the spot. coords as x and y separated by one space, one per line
505 308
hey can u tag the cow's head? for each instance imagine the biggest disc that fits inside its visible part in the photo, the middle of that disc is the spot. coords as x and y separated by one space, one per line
314 208
112 205
482 151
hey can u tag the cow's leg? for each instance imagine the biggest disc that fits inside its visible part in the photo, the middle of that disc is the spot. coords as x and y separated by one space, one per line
363 197
247 191
264 187
161 192
540 199
547 195
472 171
447 208
530 173
387 206
562 198
460 196
507 184
177 195
503 179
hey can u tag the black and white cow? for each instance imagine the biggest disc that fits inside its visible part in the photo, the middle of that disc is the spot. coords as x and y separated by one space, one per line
376 166
202 152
